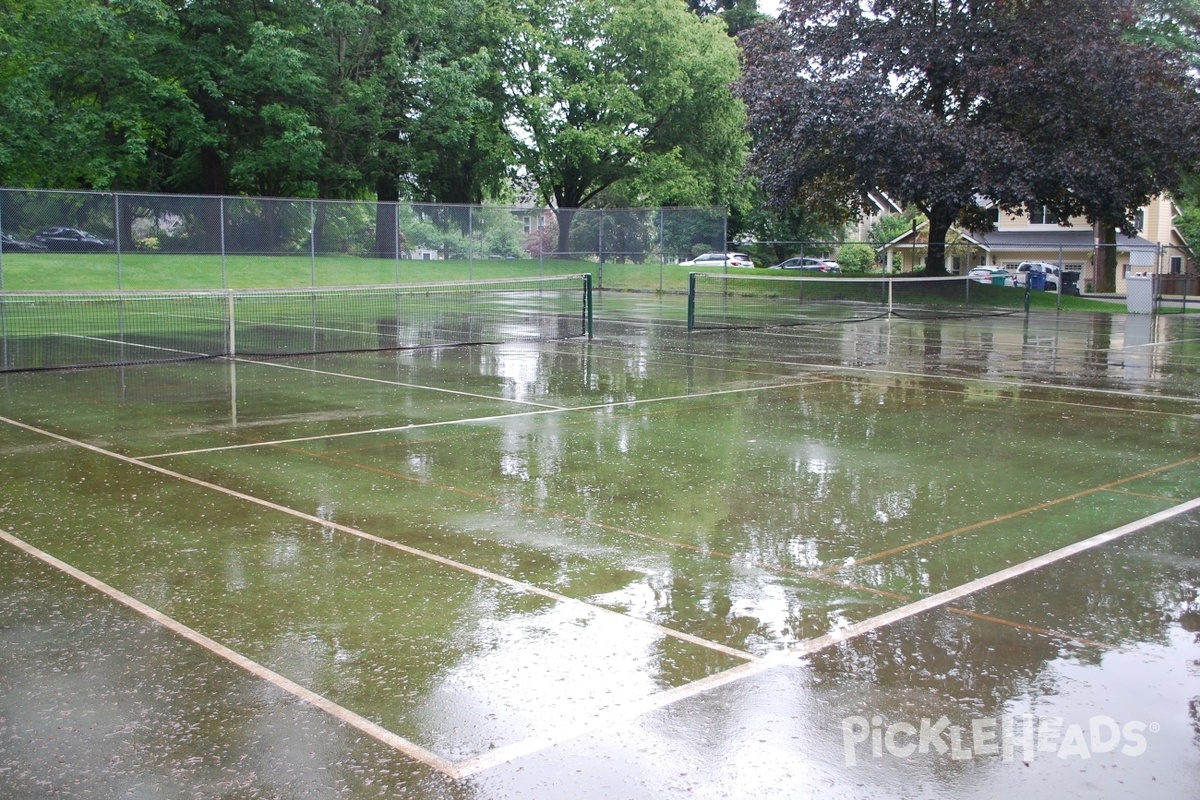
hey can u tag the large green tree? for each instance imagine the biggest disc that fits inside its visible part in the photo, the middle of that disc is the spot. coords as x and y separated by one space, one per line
632 94
247 69
456 143
88 94
1033 103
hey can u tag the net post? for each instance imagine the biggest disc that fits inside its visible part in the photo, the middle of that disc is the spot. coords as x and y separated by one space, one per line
229 322
691 305
587 301
890 284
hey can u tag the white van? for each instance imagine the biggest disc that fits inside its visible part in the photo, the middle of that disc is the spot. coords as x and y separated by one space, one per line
1052 273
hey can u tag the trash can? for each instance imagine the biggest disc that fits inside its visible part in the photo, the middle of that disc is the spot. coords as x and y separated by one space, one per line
1139 293
999 280
1070 282
1037 281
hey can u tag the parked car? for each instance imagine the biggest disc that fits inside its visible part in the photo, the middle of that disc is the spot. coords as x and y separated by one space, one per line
72 240
1021 276
811 264
11 244
997 276
719 260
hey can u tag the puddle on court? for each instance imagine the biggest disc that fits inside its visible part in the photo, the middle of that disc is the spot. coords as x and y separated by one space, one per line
720 514
98 702
457 662
940 705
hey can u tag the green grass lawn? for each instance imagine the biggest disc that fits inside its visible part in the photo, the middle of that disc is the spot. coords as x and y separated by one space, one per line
151 271
144 271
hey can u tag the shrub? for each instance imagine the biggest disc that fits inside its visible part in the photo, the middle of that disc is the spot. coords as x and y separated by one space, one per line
857 257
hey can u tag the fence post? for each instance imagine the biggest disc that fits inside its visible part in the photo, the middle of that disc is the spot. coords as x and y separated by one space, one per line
1060 276
221 227
3 310
662 256
117 236
587 299
229 321
691 307
312 242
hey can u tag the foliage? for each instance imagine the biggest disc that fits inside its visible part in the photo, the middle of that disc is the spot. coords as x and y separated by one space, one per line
1170 24
857 257
888 228
1039 103
1175 25
85 103
428 100
632 93
1188 224
500 232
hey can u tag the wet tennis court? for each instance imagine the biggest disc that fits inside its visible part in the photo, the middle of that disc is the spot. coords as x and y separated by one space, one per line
892 558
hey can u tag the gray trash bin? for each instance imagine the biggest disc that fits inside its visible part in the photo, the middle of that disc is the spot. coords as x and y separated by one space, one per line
1139 295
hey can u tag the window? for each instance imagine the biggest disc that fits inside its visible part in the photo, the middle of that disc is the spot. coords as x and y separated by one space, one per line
1176 265
1139 220
1040 216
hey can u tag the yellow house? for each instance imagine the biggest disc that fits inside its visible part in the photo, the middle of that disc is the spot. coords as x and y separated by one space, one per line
1157 248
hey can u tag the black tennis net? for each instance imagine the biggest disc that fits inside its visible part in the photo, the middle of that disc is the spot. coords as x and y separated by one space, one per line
758 300
54 330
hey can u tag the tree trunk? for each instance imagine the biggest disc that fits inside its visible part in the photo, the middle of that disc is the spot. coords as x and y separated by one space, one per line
1106 275
941 217
213 181
564 216
387 197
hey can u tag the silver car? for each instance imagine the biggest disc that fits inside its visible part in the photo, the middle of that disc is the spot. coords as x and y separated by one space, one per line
719 260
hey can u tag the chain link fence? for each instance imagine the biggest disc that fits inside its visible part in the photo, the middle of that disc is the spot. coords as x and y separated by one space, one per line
89 240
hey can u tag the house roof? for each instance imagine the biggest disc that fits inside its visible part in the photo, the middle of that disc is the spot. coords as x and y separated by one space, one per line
1068 239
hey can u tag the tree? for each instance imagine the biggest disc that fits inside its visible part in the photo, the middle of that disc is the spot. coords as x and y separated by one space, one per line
1171 25
88 94
1034 103
738 14
456 145
632 93
1175 25
252 71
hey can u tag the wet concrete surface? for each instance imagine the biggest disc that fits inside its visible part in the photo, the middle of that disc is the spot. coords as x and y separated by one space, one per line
612 568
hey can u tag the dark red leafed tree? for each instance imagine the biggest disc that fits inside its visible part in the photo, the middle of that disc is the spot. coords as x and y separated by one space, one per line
1028 103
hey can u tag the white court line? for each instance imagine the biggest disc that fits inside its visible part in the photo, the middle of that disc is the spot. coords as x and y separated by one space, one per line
796 654
520 586
341 713
399 383
1163 343
319 437
474 420
133 344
